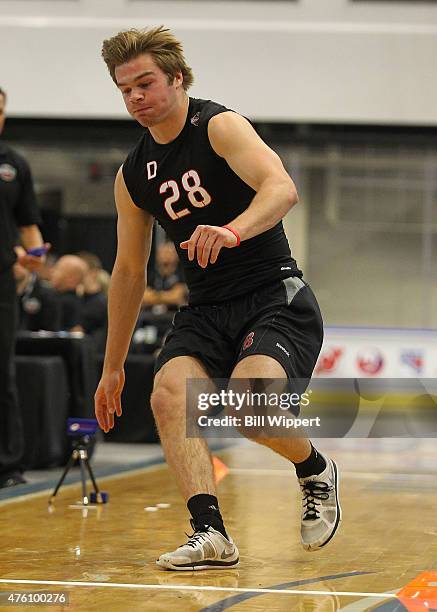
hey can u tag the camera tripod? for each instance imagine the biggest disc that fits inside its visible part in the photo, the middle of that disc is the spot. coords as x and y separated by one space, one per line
80 453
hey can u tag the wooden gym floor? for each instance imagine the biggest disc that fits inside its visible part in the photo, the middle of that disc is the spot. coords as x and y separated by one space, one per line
383 558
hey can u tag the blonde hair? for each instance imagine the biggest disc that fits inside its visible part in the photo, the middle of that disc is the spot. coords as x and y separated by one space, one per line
104 278
160 43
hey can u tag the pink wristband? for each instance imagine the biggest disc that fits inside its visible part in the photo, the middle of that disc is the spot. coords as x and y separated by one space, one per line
236 234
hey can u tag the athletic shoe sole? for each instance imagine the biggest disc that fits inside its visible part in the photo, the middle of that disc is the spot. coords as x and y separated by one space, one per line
198 565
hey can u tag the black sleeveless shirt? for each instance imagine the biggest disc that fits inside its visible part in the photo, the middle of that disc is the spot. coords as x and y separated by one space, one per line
184 184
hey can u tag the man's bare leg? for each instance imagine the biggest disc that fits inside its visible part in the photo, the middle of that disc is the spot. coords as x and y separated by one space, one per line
317 474
189 458
262 366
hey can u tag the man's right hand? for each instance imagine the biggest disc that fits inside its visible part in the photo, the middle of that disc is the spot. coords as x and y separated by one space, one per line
107 399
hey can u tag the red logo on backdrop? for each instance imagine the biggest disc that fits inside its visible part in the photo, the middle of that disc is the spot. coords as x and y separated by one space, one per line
248 341
328 360
414 360
370 361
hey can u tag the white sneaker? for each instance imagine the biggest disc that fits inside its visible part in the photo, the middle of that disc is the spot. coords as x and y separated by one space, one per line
207 549
321 512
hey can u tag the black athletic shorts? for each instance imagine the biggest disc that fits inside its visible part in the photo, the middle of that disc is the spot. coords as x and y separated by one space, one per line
281 319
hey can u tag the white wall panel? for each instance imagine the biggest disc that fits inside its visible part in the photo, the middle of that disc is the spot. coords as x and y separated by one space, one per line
305 61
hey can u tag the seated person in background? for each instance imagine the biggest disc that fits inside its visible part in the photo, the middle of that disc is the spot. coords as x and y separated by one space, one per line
67 278
104 278
161 298
94 300
38 305
168 290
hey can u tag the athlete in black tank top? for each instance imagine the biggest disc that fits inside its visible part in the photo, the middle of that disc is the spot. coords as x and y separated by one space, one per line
220 192
184 184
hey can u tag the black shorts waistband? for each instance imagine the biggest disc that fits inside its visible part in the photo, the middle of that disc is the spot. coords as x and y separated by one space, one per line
215 305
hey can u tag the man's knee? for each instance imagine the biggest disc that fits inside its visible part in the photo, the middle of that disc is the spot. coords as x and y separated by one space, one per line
166 401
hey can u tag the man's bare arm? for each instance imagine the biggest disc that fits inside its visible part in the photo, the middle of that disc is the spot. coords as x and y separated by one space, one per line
134 231
30 236
233 138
